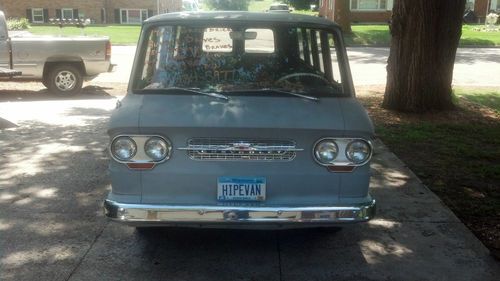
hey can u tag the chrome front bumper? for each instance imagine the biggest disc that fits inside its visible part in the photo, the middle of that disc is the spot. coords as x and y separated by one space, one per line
147 214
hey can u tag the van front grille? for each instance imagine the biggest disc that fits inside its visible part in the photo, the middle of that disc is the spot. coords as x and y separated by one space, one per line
216 149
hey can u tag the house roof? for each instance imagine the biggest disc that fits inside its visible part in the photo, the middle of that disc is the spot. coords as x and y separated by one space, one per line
239 16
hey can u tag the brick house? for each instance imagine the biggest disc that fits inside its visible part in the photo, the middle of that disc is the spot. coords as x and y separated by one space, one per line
99 11
380 11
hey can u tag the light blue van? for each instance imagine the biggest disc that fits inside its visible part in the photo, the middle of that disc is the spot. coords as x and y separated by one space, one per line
238 119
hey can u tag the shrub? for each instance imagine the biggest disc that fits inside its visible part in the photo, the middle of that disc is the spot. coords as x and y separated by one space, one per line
17 24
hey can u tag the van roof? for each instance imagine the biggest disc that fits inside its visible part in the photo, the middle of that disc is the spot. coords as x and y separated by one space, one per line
239 16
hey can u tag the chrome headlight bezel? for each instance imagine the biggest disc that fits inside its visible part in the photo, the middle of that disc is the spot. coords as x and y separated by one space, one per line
342 159
113 150
140 157
164 142
368 153
315 151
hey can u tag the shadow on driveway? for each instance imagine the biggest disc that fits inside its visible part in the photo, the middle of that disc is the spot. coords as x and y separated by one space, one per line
88 92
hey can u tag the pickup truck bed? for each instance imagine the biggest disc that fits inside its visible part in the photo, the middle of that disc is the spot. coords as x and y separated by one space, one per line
60 63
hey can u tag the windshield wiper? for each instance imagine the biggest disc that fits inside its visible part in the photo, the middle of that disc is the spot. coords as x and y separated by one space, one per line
277 90
191 90
290 93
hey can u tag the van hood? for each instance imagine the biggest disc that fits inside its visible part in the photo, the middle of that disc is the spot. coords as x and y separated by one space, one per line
203 112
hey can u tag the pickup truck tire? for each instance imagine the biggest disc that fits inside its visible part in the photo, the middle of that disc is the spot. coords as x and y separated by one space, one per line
64 80
45 81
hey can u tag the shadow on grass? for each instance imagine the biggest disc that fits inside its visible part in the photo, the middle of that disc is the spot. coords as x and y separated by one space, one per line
491 100
476 42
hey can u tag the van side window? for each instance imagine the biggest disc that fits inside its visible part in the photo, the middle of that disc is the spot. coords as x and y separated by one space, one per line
316 48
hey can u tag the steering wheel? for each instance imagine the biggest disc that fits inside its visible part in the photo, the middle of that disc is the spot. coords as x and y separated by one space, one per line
302 74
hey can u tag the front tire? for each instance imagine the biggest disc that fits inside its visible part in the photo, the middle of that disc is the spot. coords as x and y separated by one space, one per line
65 80
45 81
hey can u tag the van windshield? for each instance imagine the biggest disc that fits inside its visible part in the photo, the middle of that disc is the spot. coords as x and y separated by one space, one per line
230 58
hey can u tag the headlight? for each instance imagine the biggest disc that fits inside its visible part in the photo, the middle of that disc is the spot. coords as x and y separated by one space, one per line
326 151
358 151
157 148
123 148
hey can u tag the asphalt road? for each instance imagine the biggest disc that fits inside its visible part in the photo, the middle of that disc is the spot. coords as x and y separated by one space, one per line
473 66
53 180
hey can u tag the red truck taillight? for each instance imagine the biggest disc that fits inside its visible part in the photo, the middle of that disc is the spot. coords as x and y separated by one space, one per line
108 51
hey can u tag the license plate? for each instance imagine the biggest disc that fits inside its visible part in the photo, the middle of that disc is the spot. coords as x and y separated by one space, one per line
241 189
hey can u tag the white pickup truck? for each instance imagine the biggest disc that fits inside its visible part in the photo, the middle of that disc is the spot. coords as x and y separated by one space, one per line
61 63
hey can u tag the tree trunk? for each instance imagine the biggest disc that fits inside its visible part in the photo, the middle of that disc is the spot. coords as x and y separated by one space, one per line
425 36
343 15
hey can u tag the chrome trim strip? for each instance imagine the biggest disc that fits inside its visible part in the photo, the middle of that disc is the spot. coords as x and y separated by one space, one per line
229 148
167 214
235 149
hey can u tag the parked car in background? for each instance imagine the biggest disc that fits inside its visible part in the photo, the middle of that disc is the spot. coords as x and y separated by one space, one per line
238 119
61 63
279 8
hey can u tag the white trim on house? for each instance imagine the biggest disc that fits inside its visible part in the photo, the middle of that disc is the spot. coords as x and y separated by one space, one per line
390 4
142 17
495 5
33 15
331 5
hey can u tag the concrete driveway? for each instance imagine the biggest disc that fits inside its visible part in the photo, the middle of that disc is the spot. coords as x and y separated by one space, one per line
53 179
473 66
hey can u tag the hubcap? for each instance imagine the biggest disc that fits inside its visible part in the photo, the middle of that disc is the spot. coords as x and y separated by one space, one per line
65 80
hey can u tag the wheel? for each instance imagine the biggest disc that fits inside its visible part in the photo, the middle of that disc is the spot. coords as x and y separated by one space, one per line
65 80
45 81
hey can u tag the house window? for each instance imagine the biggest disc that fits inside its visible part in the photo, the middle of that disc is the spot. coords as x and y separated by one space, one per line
330 4
369 5
469 5
133 16
67 13
37 15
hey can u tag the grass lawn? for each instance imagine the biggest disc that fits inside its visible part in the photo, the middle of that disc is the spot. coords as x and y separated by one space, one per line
489 97
119 34
363 35
379 35
455 153
366 35
479 38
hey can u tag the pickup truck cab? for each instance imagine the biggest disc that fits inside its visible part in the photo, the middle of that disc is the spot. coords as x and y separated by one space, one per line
61 63
238 119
